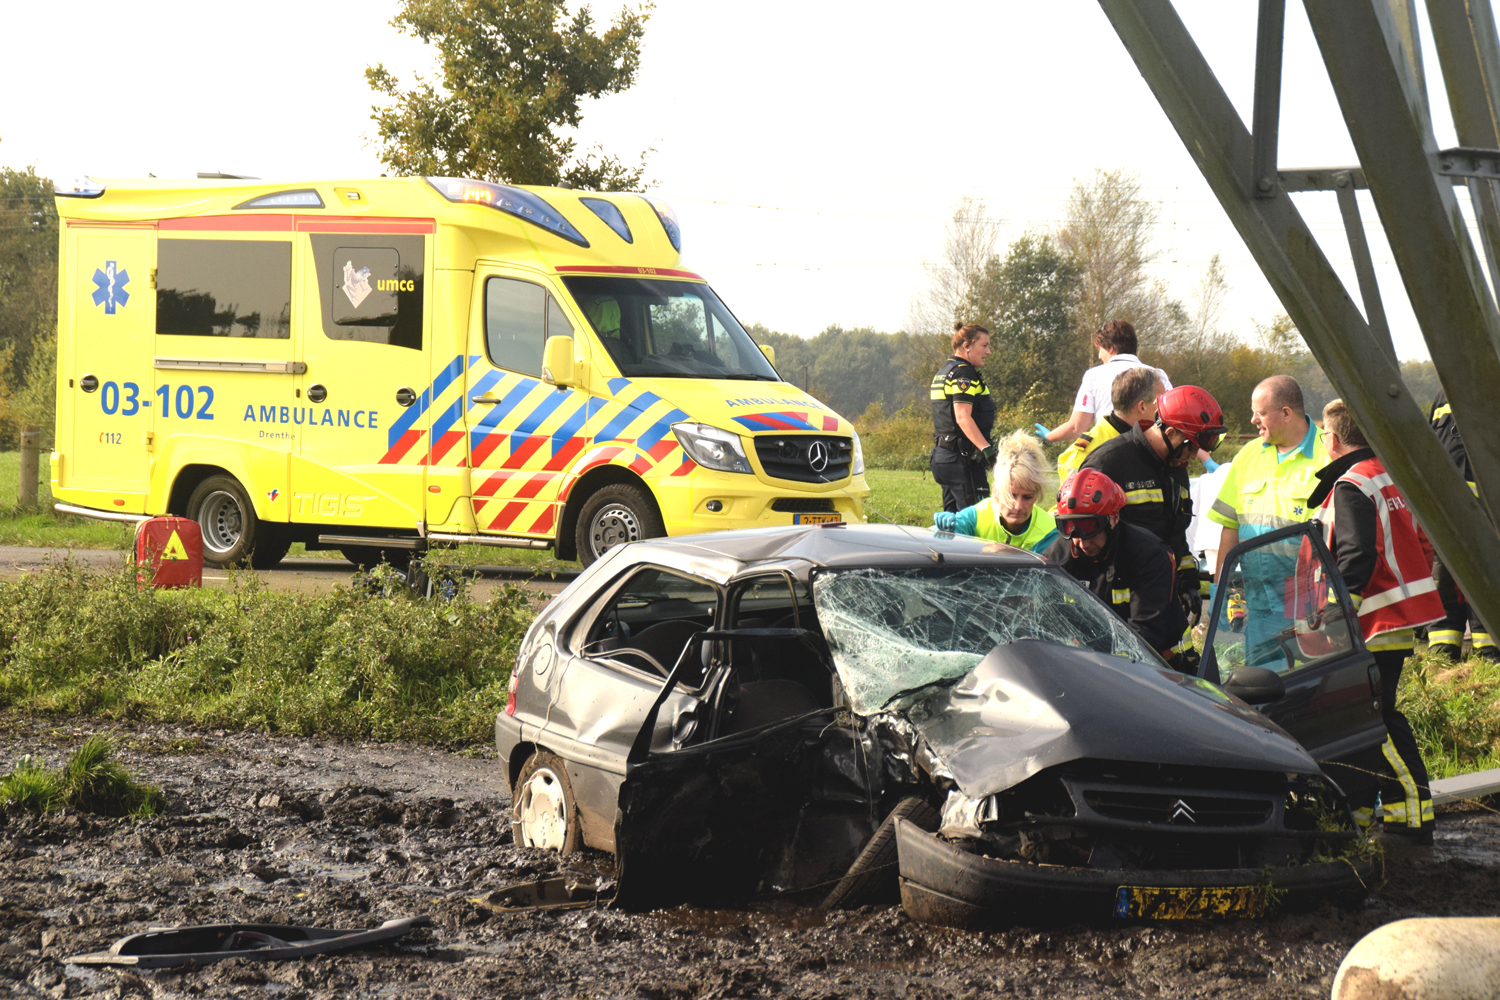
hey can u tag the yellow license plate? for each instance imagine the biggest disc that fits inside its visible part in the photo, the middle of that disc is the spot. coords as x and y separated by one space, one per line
815 518
1154 903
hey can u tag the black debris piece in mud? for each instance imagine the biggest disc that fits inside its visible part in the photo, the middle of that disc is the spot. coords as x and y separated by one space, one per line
170 947
71 884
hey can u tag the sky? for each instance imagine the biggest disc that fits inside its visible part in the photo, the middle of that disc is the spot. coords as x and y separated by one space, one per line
812 150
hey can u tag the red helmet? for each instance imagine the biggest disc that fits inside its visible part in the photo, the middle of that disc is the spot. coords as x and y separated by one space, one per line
1089 493
1194 412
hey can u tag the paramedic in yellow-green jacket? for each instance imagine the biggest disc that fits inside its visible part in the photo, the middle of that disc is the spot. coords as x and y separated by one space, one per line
1011 514
1267 488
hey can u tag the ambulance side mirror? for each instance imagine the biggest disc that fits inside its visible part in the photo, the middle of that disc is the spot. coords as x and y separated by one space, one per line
769 352
557 362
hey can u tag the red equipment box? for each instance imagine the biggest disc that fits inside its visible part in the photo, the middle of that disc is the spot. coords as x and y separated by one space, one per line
172 548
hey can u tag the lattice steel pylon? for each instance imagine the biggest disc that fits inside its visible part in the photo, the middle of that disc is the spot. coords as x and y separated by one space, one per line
1371 52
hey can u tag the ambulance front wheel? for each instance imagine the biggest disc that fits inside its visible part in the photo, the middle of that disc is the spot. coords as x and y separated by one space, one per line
614 515
232 534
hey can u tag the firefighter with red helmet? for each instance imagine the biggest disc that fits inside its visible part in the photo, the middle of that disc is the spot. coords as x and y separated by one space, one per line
1150 465
1125 565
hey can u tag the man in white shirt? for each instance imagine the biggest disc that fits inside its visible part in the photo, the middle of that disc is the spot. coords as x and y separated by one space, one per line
1116 343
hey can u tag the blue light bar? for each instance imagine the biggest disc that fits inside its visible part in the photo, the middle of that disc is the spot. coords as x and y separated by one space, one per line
668 221
610 213
300 198
511 201
77 187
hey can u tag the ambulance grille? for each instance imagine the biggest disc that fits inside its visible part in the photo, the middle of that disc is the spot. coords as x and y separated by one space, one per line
802 505
794 457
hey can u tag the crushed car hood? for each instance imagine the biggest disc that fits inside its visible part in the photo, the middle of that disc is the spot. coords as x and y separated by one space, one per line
1031 705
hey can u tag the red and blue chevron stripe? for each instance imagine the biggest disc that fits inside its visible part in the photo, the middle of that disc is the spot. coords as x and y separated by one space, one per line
786 420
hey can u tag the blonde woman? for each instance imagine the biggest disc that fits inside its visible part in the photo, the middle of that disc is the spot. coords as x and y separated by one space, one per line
1011 515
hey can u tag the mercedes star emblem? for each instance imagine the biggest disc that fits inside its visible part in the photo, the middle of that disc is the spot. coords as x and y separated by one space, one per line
817 456
1181 811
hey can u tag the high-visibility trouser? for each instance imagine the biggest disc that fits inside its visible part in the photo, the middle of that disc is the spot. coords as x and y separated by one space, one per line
1447 636
1405 798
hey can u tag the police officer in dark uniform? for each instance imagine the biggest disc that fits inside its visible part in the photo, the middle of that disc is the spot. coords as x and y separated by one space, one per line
1150 465
963 414
1447 636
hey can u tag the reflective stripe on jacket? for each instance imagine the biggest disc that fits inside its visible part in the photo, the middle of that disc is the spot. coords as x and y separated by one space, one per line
1400 593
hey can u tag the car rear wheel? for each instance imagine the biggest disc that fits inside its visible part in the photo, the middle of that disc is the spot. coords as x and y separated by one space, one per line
370 556
545 815
873 877
614 515
232 534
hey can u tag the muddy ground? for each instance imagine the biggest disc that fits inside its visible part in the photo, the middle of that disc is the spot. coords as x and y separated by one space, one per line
348 835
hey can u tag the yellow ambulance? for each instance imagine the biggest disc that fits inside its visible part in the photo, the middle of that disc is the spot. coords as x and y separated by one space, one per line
404 362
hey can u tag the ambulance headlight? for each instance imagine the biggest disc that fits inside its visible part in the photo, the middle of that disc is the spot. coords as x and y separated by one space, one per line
712 448
858 466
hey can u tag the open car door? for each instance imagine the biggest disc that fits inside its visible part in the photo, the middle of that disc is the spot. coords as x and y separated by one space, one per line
722 818
1283 635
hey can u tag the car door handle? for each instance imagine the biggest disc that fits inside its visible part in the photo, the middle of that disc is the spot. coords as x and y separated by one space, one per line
485 400
405 396
1376 688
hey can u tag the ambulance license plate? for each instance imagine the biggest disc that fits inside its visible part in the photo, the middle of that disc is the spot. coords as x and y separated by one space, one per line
1187 903
815 518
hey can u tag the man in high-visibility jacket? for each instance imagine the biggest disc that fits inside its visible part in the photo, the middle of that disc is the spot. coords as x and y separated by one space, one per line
1267 488
1370 532
1134 400
1447 636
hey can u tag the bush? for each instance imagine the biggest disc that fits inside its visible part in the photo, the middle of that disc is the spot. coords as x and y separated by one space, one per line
361 662
1454 709
92 781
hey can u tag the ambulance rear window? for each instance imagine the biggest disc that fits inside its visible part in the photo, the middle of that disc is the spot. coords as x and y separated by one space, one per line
224 288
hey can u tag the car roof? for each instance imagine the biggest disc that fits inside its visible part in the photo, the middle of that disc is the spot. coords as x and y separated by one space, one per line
725 554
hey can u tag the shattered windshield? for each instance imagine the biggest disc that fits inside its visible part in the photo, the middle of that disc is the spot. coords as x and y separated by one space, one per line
893 632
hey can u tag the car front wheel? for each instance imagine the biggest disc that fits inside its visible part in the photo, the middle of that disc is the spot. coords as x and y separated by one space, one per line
545 815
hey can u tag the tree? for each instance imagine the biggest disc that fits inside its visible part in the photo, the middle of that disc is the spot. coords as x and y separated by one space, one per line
1026 300
1108 230
513 73
969 239
28 299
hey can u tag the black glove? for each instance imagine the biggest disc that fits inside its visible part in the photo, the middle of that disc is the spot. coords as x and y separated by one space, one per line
1185 662
987 455
1187 593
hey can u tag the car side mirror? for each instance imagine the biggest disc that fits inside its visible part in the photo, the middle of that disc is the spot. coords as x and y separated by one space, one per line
557 362
1256 685
769 352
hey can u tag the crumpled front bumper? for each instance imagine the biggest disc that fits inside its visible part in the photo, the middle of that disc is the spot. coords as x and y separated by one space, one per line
944 884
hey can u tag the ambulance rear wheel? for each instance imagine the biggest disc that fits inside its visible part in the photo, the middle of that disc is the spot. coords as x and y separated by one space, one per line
616 514
223 510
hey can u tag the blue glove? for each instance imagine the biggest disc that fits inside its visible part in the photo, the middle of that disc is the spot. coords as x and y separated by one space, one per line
945 520
1213 589
1209 465
1041 431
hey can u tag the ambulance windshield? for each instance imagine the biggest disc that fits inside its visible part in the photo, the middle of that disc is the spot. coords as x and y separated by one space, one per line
668 329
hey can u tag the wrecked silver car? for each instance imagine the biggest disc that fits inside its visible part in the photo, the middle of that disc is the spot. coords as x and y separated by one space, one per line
819 708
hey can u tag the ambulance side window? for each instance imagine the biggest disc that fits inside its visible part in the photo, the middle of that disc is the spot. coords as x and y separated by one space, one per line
224 288
518 319
370 287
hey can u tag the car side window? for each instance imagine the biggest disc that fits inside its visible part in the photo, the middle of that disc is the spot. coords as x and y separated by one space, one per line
648 622
1281 611
769 602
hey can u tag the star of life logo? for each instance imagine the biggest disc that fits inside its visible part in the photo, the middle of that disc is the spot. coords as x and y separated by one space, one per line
356 283
110 287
